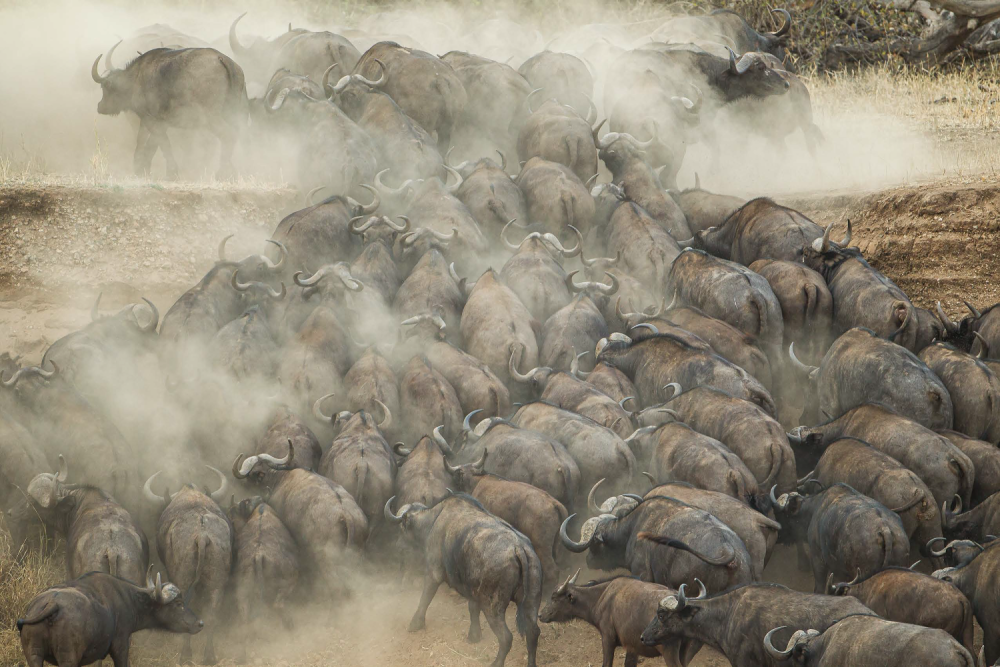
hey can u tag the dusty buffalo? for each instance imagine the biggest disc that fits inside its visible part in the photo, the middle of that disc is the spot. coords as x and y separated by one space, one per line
806 304
555 196
846 532
620 609
265 562
195 540
860 367
905 596
760 229
872 642
977 580
483 559
886 480
942 466
90 618
424 474
177 88
664 540
973 386
736 621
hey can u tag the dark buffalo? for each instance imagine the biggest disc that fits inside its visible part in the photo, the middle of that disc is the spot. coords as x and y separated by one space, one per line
945 470
861 367
90 618
885 480
758 531
423 476
561 76
977 579
257 57
760 229
620 609
697 545
863 297
745 428
872 642
735 622
985 323
360 461
647 249
704 209
557 133
484 559
846 532
177 88
522 455
728 28
806 304
610 381
427 400
576 326
713 285
527 508
973 386
981 523
905 596
674 452
372 384
654 362
985 459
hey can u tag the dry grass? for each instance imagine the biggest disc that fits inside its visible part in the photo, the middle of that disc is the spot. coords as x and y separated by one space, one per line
19 583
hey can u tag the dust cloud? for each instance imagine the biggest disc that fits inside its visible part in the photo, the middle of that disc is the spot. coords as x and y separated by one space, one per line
49 124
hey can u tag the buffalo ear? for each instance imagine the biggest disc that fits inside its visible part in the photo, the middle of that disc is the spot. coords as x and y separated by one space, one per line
900 313
814 439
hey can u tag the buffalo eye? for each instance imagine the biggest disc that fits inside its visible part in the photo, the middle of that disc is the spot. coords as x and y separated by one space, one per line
571 598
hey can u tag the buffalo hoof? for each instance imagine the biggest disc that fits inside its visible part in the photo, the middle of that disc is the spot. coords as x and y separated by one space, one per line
416 625
474 636
210 659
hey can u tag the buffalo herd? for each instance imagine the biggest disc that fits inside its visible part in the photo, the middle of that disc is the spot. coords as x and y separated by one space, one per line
496 371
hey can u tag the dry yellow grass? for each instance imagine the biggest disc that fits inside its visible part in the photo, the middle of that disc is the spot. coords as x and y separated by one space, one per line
19 582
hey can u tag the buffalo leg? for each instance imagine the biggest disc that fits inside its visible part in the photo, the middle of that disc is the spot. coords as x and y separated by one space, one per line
631 659
185 657
119 654
144 150
227 135
430 590
475 631
531 635
608 645
820 572
159 134
209 657
991 642
504 638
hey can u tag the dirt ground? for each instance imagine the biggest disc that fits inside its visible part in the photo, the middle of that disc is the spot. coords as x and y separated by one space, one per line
62 245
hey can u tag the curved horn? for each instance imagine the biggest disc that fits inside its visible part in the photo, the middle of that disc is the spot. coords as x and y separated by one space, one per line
460 165
930 548
575 547
527 100
823 244
374 84
317 409
972 309
454 188
95 310
368 209
798 364
503 238
219 494
677 390
311 280
591 503
400 449
573 252
386 416
786 26
234 42
394 518
844 242
984 346
365 226
274 266
154 317
594 133
147 490
222 248
591 110
917 497
466 423
325 81
399 229
950 326
772 651
514 373
503 160
439 439
95 74
394 191
645 325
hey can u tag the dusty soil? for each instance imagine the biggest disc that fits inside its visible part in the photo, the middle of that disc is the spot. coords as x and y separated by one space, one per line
60 246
